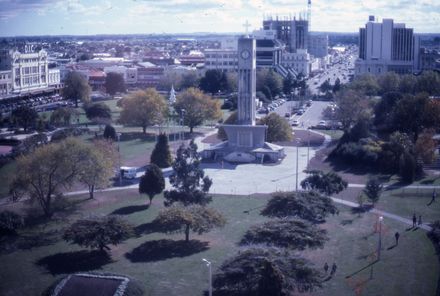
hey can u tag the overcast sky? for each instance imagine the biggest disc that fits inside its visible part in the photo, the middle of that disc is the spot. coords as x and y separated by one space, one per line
79 17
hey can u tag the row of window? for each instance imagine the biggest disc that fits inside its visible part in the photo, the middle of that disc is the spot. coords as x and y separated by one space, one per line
5 76
31 80
31 60
230 63
219 56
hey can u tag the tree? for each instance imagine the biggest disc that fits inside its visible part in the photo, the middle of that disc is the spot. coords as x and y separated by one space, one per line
97 166
278 128
76 88
337 85
373 189
325 86
10 222
152 182
351 107
384 108
425 146
407 167
114 82
388 82
43 174
232 119
98 112
407 84
62 116
143 108
365 85
311 206
195 107
24 116
327 183
189 80
213 81
288 84
265 271
161 155
190 184
98 232
197 218
109 132
269 82
286 233
429 82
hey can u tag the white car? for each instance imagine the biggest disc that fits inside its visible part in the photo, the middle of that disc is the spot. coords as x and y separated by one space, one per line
295 123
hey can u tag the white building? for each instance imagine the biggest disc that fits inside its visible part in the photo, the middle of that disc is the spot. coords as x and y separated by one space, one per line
221 59
5 82
387 46
318 45
299 61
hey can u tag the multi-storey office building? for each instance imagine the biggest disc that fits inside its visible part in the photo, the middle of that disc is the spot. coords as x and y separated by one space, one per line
387 46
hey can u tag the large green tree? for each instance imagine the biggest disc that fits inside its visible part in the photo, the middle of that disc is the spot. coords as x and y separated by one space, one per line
190 185
98 232
373 189
326 183
265 271
195 107
152 182
269 82
352 106
286 233
143 108
194 218
213 81
76 88
24 116
161 155
278 128
114 82
311 206
98 112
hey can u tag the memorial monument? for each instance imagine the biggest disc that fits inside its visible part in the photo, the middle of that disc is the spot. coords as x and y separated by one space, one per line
246 140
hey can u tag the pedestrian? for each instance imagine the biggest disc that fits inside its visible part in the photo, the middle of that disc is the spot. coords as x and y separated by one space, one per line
434 195
333 269
414 220
420 220
326 267
397 235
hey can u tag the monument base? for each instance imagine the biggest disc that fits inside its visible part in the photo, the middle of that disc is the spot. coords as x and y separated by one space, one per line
245 145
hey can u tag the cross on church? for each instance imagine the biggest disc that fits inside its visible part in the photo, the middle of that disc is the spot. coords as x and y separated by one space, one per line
247 25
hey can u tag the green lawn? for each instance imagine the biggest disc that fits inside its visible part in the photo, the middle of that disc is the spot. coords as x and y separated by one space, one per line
334 134
409 269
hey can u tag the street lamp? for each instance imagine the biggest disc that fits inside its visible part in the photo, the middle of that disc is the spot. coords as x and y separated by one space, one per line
379 245
208 264
297 158
182 116
119 156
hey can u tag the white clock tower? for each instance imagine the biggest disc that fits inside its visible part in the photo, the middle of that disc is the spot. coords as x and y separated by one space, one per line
246 81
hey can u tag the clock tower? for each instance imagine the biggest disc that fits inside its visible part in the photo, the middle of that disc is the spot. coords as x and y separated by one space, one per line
246 81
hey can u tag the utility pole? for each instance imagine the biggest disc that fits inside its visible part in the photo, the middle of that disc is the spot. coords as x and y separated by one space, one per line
208 264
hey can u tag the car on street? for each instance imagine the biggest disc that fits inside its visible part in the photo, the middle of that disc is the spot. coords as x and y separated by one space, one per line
295 123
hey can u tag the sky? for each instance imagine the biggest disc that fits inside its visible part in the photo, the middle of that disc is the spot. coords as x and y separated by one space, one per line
87 17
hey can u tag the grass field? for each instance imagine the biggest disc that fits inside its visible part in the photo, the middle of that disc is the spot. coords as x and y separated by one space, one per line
165 267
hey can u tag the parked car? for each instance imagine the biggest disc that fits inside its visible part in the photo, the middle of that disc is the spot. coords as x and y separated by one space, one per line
295 123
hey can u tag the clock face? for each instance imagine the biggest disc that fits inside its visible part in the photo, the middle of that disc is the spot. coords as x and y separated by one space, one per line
245 54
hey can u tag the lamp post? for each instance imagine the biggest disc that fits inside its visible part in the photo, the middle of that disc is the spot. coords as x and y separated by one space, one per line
182 117
119 156
297 159
379 245
208 264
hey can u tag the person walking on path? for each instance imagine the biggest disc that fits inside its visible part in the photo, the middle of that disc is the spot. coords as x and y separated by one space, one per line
397 236
420 220
414 220
434 195
326 267
334 267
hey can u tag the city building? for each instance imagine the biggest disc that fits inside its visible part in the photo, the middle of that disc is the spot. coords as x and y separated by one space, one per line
299 61
224 59
387 46
26 72
128 73
429 59
294 33
148 74
318 45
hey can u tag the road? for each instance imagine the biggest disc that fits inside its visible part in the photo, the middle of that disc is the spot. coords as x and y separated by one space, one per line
345 61
312 116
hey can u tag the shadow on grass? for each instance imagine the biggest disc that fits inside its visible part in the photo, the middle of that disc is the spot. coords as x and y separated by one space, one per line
361 209
74 261
158 250
130 210
363 268
146 228
28 241
129 136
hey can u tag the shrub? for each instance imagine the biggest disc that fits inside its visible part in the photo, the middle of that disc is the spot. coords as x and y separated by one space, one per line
407 167
10 222
161 155
110 132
